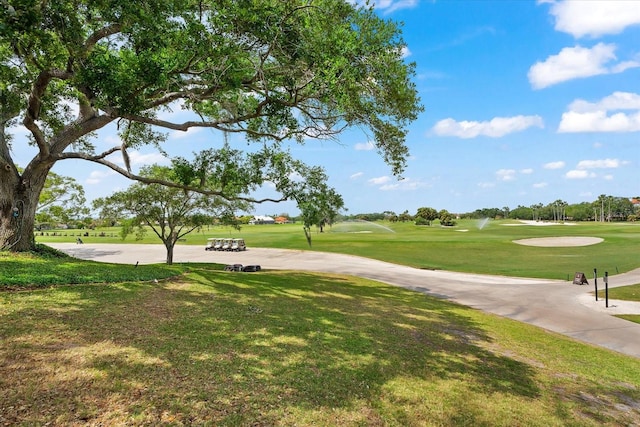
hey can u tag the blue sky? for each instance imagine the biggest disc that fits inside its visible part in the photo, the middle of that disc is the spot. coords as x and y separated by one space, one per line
525 102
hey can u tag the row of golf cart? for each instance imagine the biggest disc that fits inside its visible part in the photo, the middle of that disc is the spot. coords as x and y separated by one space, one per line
220 244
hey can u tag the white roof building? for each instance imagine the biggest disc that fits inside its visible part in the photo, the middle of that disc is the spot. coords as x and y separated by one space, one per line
262 219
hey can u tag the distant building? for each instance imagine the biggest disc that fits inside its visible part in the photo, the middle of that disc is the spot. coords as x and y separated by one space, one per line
262 219
282 220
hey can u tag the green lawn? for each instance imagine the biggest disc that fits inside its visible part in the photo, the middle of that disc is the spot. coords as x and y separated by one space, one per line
627 293
50 267
288 348
101 344
465 248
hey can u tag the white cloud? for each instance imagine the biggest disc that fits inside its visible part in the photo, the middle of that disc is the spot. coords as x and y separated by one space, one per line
621 67
356 175
554 165
379 180
97 176
405 53
387 183
179 134
596 17
405 184
387 6
599 122
138 159
527 171
364 146
174 111
506 174
112 140
601 164
577 62
579 174
604 115
615 101
582 169
497 127
540 185
296 177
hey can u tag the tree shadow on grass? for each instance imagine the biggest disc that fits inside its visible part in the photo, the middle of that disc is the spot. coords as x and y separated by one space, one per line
240 349
406 331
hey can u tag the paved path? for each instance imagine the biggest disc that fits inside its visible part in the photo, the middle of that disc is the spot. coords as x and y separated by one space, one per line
554 305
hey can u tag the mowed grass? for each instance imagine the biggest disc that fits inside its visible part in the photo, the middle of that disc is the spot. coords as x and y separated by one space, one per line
50 267
464 248
289 348
627 293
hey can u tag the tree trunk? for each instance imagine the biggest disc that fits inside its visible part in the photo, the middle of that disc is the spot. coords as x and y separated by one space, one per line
169 244
18 203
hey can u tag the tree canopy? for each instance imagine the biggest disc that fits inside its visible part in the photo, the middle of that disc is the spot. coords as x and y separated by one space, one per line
61 200
271 70
426 214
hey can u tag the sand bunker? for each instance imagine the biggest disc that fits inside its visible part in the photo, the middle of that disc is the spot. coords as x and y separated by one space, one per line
556 242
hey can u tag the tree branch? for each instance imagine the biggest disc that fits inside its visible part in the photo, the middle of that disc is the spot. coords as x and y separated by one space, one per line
100 34
145 180
6 162
77 129
220 125
35 104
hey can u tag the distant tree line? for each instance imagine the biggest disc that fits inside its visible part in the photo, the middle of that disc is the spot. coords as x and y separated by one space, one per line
604 209
424 216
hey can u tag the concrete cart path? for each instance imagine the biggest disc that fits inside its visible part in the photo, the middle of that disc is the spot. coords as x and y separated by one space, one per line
558 306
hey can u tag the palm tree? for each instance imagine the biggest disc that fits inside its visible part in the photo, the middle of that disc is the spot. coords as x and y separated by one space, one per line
609 199
536 208
600 203
506 211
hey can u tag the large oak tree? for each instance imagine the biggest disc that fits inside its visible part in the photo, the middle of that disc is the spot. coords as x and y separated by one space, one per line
270 69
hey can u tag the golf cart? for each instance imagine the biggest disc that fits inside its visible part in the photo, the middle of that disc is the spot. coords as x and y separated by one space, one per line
226 244
213 244
238 245
210 244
